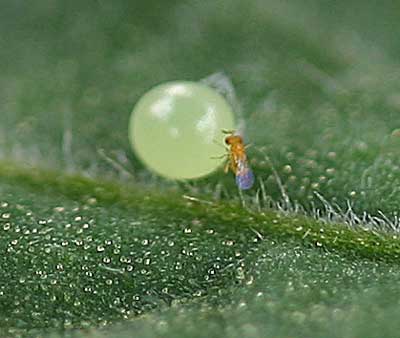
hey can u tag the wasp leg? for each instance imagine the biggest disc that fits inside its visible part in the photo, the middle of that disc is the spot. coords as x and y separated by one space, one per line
218 157
227 165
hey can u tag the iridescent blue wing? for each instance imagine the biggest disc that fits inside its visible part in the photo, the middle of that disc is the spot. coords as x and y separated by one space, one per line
244 176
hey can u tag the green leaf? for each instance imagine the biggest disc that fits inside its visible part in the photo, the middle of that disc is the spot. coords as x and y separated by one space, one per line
80 252
93 244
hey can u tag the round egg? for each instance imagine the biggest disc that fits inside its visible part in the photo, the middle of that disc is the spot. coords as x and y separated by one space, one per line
176 129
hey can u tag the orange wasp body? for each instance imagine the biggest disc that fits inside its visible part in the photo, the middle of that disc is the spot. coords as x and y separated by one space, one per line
237 161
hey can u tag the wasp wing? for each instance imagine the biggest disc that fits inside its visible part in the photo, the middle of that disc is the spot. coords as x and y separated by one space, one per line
244 175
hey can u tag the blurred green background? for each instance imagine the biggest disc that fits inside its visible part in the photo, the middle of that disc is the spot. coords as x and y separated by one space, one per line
318 83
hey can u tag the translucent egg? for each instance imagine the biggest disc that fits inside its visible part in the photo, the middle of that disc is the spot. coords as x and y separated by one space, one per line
176 129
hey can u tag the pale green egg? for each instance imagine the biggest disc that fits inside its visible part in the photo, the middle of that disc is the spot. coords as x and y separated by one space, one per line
176 129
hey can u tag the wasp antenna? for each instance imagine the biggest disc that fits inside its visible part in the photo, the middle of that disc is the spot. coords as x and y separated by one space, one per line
226 131
218 143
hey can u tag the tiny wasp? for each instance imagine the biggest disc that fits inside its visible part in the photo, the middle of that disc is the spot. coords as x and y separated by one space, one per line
237 160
